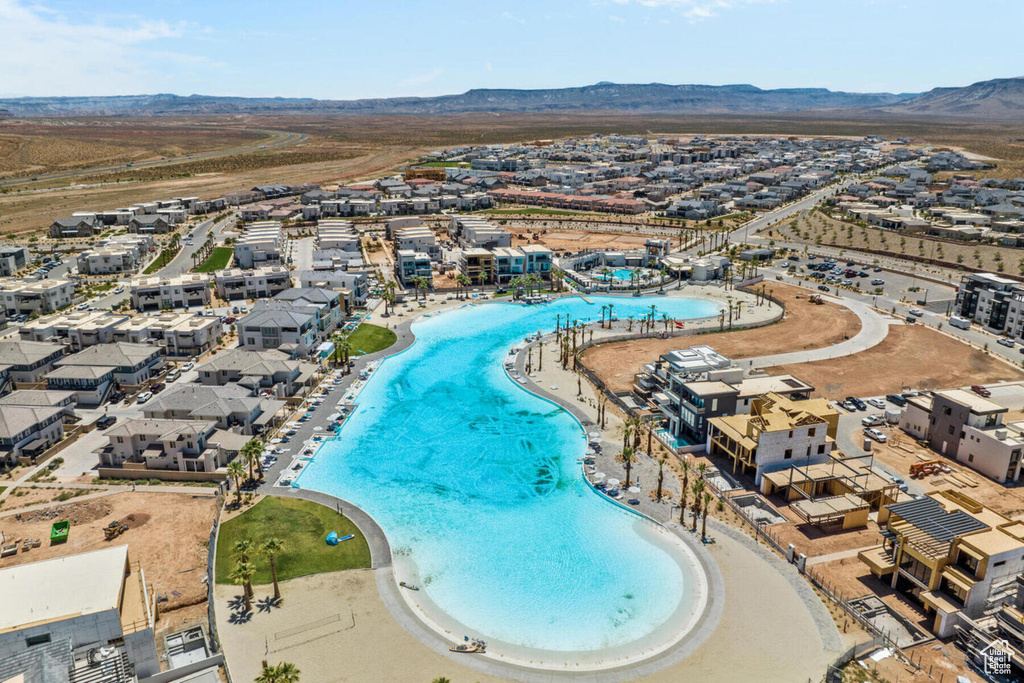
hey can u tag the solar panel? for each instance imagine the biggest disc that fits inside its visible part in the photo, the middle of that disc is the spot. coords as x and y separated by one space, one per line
928 515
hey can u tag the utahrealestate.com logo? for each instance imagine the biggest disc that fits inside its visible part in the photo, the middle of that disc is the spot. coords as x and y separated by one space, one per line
997 658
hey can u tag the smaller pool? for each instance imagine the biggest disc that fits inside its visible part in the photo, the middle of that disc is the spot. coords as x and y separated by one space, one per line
668 438
622 274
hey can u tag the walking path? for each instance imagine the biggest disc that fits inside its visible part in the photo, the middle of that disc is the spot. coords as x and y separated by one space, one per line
840 555
873 329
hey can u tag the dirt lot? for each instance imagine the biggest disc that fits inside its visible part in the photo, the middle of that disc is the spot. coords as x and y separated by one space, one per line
559 239
806 326
910 357
167 534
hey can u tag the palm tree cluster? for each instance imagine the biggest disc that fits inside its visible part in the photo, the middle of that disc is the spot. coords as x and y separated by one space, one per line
526 284
463 281
342 350
701 497
246 551
389 297
246 468
421 284
285 672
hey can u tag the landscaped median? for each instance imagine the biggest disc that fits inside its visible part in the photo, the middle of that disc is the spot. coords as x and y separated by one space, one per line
217 260
302 528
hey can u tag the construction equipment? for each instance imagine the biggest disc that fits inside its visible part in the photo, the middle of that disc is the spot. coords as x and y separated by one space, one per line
114 529
928 467
815 299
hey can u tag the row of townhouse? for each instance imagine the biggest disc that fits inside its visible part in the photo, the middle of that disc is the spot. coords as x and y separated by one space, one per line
31 421
502 265
353 286
573 202
337 234
257 283
262 244
153 217
176 334
116 255
35 296
153 292
94 371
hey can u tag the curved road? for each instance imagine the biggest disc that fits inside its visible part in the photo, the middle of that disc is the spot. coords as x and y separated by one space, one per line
288 139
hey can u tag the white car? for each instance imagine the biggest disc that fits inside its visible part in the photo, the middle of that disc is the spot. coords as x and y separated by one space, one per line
872 420
144 396
916 312
82 306
118 289
876 434
876 402
187 366
1003 341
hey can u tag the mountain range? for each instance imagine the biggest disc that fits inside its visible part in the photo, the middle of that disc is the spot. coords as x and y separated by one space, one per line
1001 99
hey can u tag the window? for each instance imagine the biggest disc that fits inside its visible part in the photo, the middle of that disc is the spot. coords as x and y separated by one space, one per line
970 458
789 454
946 410
37 640
999 564
791 433
810 432
821 449
950 429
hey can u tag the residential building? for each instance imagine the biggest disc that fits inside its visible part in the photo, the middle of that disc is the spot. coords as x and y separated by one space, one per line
778 433
151 292
27 361
263 244
155 444
231 407
323 304
75 227
418 239
968 428
474 232
337 234
178 335
477 264
993 301
270 371
76 329
109 260
26 431
92 372
410 265
258 283
949 553
149 224
101 604
293 332
13 259
35 296
353 285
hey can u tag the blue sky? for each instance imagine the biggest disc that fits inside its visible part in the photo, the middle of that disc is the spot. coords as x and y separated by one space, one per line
345 49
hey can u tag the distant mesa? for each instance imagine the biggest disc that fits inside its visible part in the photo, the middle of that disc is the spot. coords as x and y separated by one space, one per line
995 99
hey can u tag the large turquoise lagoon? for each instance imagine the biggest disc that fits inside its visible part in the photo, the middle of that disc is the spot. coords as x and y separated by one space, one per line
477 484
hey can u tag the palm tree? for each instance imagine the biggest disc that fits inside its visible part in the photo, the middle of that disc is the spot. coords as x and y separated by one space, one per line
242 548
661 475
251 452
463 281
698 488
704 521
686 480
241 576
389 301
627 459
285 672
604 309
236 470
517 284
271 547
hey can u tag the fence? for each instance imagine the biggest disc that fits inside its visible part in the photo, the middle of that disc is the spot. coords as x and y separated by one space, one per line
829 590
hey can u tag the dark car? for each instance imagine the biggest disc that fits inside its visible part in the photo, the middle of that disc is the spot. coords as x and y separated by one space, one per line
157 388
861 405
981 391
106 421
116 396
823 288
896 399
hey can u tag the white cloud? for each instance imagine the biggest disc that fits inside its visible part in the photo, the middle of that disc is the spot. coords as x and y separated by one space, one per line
508 16
617 19
488 66
45 53
421 79
694 10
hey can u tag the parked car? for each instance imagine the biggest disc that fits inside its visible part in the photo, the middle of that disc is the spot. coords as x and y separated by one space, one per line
878 270
849 405
157 388
896 400
784 264
106 421
877 403
878 283
187 366
823 288
872 420
981 391
1008 343
916 312
876 434
143 397
82 306
861 405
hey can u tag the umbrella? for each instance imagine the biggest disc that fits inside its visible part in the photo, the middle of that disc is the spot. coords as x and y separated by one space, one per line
594 435
318 429
598 476
613 482
634 489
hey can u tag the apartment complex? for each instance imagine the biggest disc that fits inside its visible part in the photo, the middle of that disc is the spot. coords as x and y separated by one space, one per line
410 265
35 296
269 371
176 334
13 259
337 234
949 553
994 301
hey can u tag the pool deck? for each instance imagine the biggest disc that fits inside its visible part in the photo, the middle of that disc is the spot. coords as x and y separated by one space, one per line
398 605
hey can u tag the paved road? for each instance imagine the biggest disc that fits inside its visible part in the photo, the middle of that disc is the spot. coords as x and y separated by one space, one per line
284 140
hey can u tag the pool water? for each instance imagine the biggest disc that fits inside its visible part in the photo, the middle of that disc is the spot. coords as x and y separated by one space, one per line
477 485
621 274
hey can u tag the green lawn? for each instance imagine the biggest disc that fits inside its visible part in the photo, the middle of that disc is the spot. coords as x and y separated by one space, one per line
370 338
303 527
166 256
217 260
